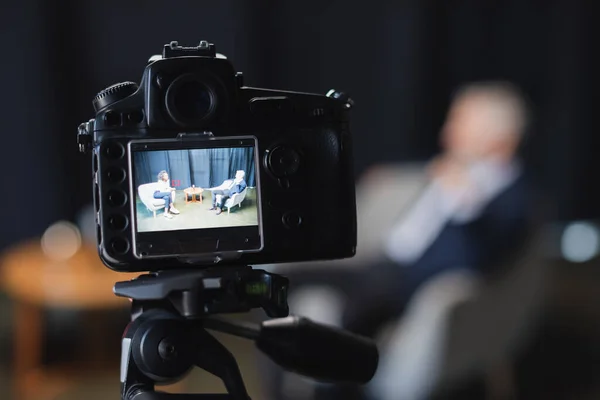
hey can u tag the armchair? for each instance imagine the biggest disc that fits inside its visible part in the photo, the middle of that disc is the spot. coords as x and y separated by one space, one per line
235 200
456 324
146 193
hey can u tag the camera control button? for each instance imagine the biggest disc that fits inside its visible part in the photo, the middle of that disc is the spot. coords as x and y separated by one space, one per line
114 150
118 222
119 245
115 174
135 116
291 220
282 161
112 118
116 198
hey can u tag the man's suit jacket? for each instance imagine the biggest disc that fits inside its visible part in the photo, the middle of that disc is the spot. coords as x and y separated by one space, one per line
238 187
383 195
488 241
386 192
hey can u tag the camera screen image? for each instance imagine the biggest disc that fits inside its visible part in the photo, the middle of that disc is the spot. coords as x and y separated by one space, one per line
195 188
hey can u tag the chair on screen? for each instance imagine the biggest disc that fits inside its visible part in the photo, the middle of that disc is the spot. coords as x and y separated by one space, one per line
146 193
235 200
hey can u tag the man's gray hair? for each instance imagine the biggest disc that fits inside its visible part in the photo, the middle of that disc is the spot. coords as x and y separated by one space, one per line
161 174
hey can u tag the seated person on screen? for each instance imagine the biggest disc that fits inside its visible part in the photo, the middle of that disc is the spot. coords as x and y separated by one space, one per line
219 196
167 193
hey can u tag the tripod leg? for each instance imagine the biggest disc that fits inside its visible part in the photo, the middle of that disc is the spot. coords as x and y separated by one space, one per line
212 356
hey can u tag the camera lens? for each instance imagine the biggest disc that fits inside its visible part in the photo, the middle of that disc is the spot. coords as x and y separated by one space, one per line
189 100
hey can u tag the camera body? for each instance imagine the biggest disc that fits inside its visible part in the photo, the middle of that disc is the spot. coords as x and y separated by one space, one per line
191 114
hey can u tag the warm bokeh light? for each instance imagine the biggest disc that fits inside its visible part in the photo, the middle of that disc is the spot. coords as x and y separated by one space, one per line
61 241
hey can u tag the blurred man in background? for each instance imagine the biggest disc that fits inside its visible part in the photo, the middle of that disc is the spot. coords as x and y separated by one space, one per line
472 215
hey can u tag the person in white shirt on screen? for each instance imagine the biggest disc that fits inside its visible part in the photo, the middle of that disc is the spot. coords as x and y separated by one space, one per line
167 193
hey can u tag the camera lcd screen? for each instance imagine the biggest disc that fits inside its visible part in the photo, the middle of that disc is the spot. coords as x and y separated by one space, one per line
198 196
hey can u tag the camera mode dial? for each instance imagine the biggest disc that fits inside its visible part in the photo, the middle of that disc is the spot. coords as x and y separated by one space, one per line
113 93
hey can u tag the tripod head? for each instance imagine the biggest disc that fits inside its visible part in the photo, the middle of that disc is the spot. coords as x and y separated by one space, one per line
172 310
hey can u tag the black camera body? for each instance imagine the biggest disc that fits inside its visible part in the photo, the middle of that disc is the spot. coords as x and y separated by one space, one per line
191 114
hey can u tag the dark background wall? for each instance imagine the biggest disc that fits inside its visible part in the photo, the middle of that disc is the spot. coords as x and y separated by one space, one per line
399 60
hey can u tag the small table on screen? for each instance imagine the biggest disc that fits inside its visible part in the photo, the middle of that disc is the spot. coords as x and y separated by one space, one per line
191 193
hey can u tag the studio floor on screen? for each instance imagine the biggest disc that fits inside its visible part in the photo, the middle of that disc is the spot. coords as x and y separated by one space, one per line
196 215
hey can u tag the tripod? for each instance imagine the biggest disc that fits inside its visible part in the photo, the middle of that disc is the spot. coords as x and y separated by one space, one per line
167 336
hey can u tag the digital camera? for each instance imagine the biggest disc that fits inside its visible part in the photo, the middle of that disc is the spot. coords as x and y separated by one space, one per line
191 168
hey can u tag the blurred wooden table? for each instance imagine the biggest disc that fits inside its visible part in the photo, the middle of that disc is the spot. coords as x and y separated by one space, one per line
35 283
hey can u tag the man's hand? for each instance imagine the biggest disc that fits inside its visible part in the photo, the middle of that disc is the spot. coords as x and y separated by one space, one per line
450 172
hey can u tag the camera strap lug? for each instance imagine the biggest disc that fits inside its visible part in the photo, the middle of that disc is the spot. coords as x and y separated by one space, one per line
84 136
